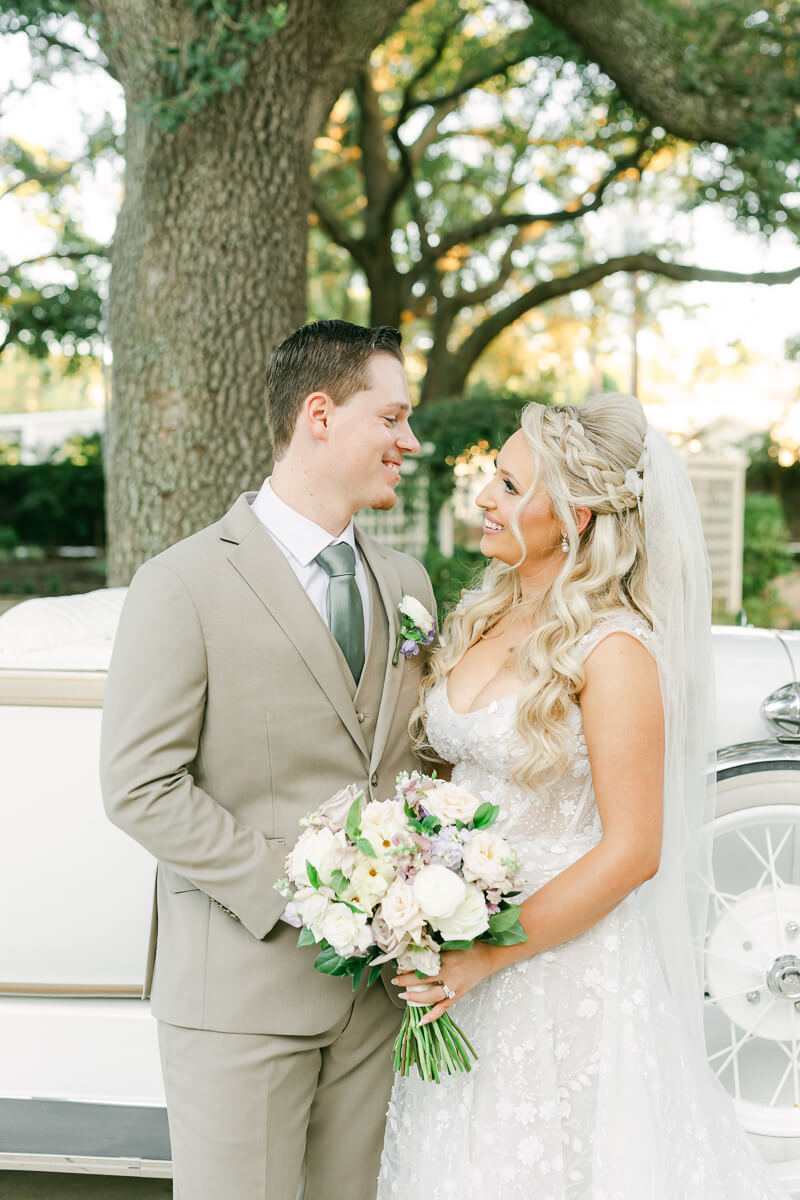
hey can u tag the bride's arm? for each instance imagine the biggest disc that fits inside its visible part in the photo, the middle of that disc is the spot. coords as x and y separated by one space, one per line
623 723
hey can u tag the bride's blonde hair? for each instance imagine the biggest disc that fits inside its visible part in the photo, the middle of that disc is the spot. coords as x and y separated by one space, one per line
583 457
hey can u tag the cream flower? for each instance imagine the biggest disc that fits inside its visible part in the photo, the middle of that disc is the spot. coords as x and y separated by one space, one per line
347 932
483 855
336 809
470 918
417 613
450 803
325 850
312 907
367 884
419 958
400 910
439 891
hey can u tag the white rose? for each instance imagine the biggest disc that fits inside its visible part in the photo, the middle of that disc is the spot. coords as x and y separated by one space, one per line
450 803
347 932
400 910
311 908
419 958
367 885
483 855
325 850
439 891
337 808
410 607
469 919
296 859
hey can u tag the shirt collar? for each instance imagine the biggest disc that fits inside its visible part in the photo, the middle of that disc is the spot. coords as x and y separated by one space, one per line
299 536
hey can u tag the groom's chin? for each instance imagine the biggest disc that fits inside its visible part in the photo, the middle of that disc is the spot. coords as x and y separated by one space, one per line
385 503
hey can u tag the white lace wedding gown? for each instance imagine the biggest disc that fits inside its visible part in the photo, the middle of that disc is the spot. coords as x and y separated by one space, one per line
582 1089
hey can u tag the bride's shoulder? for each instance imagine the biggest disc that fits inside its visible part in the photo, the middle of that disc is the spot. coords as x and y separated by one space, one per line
617 620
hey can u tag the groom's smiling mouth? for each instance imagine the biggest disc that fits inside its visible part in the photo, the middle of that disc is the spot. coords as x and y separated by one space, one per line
393 466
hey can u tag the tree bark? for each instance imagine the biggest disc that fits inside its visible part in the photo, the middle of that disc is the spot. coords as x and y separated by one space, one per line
208 262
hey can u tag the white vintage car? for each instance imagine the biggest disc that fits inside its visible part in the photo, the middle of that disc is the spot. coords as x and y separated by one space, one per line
80 1086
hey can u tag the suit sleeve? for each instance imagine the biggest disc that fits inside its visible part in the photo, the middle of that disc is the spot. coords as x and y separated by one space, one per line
152 718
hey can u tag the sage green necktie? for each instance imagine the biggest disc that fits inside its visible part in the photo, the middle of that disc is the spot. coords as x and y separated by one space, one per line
344 608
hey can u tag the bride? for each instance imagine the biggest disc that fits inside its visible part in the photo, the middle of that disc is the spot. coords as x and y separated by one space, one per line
573 690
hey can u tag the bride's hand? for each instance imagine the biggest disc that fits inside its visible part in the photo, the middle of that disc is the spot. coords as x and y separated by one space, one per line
459 972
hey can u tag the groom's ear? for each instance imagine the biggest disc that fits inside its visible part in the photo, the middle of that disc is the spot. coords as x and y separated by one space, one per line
316 413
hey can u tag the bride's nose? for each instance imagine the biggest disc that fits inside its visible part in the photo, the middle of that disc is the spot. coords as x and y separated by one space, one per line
483 500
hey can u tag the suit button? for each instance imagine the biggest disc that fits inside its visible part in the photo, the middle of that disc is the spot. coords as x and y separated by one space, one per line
374 779
361 717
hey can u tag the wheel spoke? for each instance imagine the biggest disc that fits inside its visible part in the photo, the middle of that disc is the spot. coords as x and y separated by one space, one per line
746 1037
721 999
776 886
774 1097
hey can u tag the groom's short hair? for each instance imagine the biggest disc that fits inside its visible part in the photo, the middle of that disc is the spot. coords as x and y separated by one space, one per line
323 356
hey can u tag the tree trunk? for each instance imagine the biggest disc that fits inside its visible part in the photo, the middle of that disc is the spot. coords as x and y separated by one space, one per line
208 263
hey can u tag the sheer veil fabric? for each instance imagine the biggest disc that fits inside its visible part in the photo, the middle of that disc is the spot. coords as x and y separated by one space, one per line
679 584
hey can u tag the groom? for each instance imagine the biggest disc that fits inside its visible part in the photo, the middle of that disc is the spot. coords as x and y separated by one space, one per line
251 678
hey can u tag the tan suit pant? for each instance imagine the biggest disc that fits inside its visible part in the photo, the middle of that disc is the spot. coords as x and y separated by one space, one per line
246 1111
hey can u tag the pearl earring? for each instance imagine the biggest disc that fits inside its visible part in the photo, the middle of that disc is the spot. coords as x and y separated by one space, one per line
565 542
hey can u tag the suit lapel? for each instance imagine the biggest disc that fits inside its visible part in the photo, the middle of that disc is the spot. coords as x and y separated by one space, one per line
390 588
264 568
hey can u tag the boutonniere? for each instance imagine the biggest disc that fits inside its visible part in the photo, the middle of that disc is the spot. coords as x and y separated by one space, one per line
417 628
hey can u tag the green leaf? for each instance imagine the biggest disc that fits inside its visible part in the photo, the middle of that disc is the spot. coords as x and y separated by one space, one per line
374 973
312 873
339 882
353 824
357 973
306 937
330 963
485 815
507 937
455 945
507 918
365 846
431 825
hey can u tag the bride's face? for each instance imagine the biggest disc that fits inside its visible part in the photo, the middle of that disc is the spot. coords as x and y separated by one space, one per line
500 500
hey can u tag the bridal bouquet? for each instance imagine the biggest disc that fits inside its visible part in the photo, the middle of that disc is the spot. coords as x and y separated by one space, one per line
403 879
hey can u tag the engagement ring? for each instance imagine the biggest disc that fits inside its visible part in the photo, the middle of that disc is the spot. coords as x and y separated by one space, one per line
449 993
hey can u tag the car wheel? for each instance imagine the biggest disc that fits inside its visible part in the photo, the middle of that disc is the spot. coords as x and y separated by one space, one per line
752 950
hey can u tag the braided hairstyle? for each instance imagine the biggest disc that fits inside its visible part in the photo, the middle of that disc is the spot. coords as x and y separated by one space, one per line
587 457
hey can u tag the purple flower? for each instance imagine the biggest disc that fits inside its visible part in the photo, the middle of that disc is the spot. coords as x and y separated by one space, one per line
446 849
409 648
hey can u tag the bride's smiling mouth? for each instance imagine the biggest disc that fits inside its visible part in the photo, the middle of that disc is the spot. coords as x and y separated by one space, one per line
491 526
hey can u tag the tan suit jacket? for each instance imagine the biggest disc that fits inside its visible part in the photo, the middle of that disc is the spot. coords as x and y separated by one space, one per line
229 714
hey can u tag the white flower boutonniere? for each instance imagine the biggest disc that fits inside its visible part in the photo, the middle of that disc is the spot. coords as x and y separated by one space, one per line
417 628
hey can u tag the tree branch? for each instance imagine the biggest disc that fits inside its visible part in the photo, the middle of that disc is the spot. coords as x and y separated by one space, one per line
81 252
474 345
678 82
500 220
336 230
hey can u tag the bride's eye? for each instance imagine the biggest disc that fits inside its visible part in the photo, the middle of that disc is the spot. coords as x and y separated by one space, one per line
510 487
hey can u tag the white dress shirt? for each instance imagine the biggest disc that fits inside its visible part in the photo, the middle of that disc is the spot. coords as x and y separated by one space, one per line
300 540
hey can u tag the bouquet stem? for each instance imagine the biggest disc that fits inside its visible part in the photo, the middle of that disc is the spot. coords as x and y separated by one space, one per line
438 1048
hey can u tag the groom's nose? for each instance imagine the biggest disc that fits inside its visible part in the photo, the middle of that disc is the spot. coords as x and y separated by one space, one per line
406 440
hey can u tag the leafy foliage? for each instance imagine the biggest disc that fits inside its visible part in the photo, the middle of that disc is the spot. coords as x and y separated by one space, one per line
460 172
197 72
52 302
766 556
59 502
